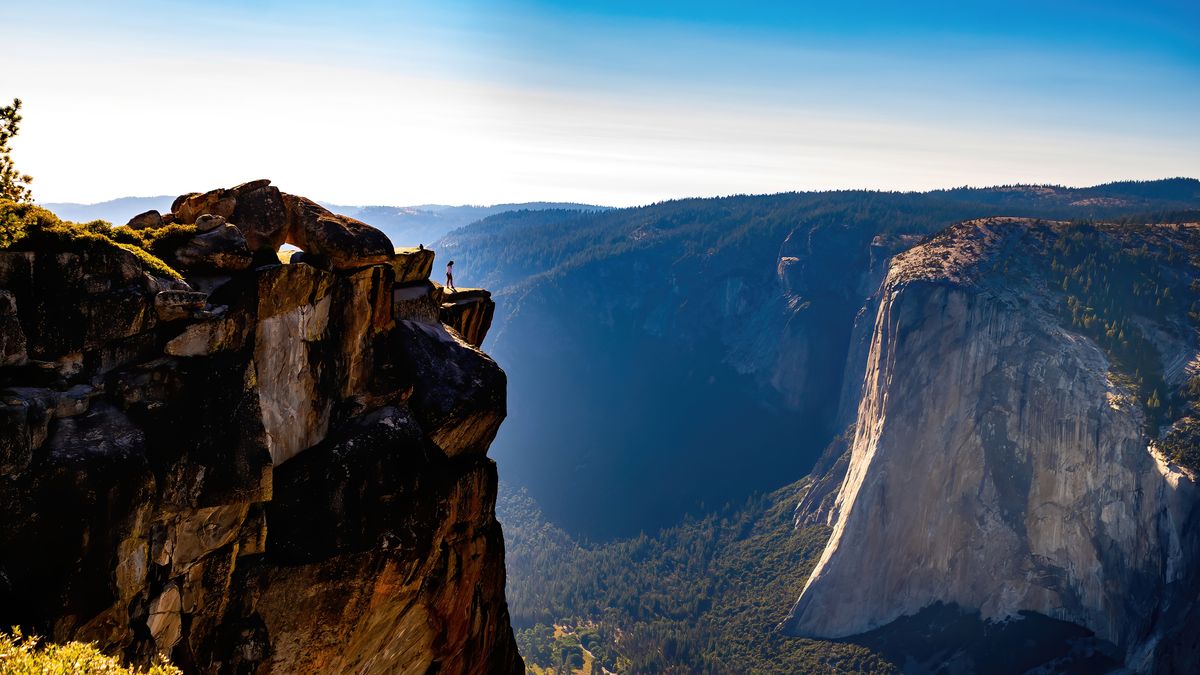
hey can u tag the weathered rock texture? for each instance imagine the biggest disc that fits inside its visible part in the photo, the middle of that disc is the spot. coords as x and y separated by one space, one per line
998 463
269 218
285 475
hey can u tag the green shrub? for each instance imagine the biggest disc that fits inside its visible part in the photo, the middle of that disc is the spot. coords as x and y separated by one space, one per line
159 241
27 655
1182 444
30 227
17 219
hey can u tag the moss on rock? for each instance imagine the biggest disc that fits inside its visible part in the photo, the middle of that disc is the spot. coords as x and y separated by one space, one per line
25 226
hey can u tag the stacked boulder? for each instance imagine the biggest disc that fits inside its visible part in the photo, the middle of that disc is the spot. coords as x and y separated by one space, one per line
247 224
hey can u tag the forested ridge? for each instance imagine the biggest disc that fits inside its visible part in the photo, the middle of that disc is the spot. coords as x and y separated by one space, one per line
512 247
703 596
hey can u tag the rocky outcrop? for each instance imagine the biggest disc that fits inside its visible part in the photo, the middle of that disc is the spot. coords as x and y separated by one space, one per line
469 311
283 472
148 220
1001 459
268 218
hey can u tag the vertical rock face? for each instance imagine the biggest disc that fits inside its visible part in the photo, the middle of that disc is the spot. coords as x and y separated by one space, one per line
1000 462
469 311
286 474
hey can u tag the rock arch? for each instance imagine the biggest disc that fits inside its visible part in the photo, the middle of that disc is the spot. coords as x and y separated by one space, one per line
269 218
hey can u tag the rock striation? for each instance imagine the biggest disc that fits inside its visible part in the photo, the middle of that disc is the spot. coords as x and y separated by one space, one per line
470 311
260 468
1001 459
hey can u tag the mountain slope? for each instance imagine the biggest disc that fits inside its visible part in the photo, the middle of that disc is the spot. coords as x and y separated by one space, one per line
654 349
425 224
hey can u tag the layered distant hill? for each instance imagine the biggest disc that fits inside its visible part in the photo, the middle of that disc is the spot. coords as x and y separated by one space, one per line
670 358
116 211
405 225
425 224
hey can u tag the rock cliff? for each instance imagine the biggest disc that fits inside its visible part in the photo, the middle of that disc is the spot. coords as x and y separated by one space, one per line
1008 453
260 467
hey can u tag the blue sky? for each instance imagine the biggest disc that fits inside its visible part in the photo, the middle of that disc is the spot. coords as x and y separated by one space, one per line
611 102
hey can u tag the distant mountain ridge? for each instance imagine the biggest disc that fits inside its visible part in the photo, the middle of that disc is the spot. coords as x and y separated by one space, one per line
426 223
116 211
404 225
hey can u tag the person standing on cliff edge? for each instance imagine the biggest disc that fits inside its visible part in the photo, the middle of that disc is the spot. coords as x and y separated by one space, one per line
450 276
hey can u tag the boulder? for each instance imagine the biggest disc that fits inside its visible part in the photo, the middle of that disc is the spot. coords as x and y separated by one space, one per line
261 214
412 264
179 201
222 332
347 243
460 402
176 305
214 202
469 312
268 218
148 220
209 222
222 249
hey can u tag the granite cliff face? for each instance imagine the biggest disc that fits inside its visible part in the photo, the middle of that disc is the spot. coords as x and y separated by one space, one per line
1008 454
260 467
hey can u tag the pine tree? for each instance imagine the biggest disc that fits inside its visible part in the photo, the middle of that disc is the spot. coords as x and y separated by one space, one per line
14 185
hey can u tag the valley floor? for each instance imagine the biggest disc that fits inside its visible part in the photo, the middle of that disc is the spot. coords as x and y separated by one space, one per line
701 597
708 596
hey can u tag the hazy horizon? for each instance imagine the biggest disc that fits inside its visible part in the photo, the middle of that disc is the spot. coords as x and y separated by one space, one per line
613 103
384 204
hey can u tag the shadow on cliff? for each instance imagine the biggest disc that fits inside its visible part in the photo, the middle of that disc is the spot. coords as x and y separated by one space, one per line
948 640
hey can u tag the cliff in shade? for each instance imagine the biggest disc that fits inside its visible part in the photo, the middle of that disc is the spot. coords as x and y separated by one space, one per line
716 330
273 464
1027 419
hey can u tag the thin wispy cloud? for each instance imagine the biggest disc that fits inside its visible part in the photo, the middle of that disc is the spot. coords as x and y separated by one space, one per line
607 103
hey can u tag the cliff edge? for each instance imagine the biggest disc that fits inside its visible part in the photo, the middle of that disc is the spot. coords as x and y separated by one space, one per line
250 461
1025 384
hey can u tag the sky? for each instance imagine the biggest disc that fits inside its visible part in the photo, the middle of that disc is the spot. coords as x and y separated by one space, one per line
610 102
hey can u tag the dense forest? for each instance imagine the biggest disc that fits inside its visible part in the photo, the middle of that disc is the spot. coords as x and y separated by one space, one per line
514 247
700 597
1114 288
705 596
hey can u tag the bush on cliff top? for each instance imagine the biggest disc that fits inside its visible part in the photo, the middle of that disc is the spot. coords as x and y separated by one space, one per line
161 242
27 655
27 226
